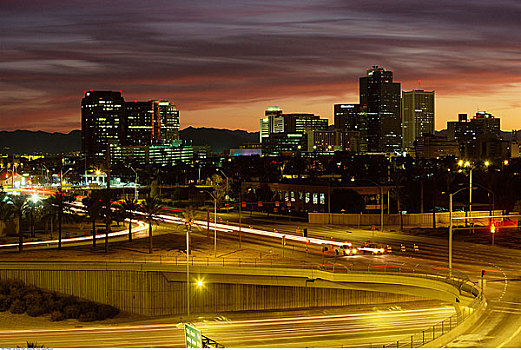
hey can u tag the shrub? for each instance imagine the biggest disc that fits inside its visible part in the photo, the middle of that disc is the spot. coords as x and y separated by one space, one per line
35 310
5 303
57 316
88 306
16 288
32 298
106 311
17 307
62 302
72 311
88 317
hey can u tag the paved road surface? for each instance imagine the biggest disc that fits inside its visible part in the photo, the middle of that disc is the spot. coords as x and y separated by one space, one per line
347 327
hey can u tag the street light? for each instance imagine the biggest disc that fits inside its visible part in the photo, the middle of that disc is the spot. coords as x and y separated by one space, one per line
450 227
381 201
467 164
135 185
214 222
222 172
61 177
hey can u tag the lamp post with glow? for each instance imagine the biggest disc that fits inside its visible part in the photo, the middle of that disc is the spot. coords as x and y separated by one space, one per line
214 222
467 164
135 185
450 227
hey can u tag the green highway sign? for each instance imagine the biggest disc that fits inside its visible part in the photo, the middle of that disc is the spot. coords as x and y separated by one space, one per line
193 337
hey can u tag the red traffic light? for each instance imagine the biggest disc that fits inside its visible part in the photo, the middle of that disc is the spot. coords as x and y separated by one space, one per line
482 273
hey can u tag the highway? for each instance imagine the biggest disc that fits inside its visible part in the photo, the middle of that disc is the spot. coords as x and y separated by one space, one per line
367 326
500 326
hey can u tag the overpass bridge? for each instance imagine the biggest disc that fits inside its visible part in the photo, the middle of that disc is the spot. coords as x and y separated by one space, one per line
160 289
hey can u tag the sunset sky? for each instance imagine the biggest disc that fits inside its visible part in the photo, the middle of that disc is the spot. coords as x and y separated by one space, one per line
223 62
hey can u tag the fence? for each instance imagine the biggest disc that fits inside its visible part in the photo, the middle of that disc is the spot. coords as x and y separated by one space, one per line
416 220
438 330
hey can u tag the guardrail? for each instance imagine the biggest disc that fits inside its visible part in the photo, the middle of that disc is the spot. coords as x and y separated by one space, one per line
428 335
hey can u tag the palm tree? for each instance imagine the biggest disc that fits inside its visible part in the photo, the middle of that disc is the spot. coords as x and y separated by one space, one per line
19 208
33 207
106 210
60 202
6 210
128 207
93 207
151 208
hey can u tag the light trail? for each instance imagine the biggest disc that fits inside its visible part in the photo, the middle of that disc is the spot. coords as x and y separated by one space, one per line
142 226
363 327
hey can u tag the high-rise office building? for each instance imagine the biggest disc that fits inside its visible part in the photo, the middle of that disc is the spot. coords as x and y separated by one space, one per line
139 123
417 115
347 117
167 128
381 129
108 119
281 133
102 121
303 123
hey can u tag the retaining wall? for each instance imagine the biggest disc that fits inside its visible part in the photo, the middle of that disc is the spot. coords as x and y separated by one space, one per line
161 290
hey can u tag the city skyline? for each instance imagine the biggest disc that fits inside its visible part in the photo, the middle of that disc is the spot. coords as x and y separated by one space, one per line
223 64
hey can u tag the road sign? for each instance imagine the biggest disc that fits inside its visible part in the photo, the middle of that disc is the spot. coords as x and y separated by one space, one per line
193 337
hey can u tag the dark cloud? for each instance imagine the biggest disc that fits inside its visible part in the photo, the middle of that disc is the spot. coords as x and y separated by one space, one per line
207 55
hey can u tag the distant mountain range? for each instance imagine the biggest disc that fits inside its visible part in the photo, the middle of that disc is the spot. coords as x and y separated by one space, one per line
28 142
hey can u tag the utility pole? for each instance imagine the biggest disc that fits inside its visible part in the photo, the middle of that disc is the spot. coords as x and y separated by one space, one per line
108 216
240 209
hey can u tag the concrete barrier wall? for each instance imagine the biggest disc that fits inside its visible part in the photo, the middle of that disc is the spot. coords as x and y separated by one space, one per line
416 220
152 291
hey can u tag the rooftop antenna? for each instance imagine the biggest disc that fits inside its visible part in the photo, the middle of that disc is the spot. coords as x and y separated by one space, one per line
419 84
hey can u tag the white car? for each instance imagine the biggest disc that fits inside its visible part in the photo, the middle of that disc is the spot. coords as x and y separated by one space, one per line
371 248
345 249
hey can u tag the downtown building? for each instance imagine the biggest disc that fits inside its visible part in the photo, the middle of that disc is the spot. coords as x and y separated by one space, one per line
478 137
380 115
287 133
145 132
417 116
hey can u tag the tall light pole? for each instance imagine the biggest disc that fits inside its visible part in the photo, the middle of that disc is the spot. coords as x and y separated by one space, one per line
450 227
214 222
135 185
188 272
226 196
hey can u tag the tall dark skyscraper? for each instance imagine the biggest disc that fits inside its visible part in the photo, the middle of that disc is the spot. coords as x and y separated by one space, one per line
139 123
380 125
102 121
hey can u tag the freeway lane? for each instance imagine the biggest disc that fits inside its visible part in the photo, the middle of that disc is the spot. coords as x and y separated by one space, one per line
500 326
333 327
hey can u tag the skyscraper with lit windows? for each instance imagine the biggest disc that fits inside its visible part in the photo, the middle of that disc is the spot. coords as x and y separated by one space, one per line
417 115
380 117
102 121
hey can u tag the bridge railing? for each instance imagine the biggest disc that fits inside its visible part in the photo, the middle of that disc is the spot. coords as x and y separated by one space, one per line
439 329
